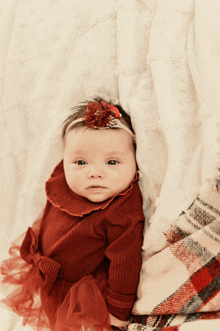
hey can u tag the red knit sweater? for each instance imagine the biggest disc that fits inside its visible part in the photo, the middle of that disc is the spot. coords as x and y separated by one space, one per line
78 238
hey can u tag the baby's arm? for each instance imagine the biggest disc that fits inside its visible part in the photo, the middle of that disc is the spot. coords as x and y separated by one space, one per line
38 219
36 225
124 253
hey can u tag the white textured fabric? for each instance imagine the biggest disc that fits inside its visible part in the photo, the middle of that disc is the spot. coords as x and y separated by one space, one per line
159 58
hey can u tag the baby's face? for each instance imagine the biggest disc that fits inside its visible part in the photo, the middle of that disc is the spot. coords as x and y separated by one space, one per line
98 164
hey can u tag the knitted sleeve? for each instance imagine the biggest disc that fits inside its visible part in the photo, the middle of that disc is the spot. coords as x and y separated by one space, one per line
125 237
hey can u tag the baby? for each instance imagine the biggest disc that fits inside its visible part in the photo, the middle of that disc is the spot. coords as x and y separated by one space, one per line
79 263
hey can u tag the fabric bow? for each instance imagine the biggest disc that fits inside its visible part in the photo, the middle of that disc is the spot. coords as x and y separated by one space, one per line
48 269
101 114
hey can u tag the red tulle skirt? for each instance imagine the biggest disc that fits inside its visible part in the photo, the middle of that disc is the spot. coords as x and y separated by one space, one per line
68 307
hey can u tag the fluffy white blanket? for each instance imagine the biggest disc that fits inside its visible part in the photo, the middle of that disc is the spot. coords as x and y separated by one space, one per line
158 58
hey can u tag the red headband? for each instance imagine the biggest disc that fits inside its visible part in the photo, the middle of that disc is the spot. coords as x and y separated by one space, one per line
102 115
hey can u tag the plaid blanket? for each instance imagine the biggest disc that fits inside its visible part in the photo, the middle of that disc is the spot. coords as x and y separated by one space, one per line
182 281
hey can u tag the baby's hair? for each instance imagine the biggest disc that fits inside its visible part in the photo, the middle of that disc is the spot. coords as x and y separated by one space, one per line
79 112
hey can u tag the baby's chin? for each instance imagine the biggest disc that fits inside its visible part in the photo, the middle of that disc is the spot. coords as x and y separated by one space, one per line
98 199
98 194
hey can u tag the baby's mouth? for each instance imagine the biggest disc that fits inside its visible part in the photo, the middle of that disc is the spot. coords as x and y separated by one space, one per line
96 187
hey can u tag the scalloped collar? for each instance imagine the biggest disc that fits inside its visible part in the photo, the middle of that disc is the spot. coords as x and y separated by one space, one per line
60 195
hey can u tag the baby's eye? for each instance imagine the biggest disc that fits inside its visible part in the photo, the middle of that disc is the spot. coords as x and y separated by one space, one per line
80 162
112 162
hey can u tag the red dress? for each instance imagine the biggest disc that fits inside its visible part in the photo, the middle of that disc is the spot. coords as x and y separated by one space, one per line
79 263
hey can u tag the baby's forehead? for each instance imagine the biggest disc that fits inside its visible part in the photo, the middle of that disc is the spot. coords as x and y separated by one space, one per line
88 141
85 135
106 152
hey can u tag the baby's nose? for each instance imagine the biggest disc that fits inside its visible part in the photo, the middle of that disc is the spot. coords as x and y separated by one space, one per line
95 172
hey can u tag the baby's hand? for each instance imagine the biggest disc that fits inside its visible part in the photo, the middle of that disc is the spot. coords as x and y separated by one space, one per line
117 324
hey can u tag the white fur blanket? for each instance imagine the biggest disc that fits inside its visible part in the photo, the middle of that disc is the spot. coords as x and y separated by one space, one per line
159 58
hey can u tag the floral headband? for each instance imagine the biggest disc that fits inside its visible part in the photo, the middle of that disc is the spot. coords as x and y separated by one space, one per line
102 115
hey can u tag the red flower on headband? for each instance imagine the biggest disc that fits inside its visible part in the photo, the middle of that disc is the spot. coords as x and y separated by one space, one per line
99 114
